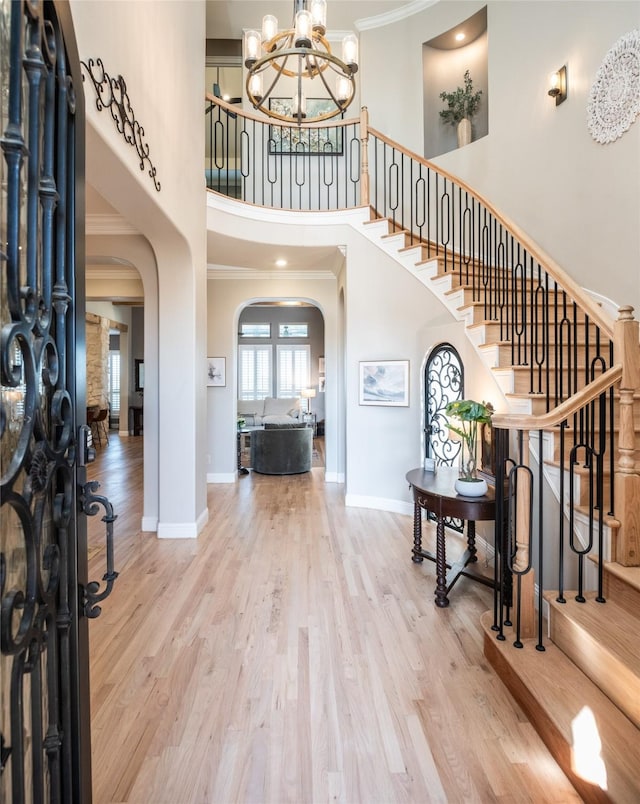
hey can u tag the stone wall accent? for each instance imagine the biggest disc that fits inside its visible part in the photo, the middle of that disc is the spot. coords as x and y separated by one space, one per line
97 333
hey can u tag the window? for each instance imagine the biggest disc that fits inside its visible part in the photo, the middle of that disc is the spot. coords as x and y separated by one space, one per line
293 330
252 330
114 383
293 369
255 375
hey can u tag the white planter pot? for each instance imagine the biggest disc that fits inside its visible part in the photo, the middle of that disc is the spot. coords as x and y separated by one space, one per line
464 132
471 488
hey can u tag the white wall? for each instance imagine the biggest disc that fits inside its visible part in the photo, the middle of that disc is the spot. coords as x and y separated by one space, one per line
539 165
390 315
159 48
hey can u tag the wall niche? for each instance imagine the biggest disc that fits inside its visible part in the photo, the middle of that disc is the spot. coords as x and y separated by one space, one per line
445 59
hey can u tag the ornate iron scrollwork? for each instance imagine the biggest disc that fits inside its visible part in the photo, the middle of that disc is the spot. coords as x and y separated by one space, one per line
111 94
90 503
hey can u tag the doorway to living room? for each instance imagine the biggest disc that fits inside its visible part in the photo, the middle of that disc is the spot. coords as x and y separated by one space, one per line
281 355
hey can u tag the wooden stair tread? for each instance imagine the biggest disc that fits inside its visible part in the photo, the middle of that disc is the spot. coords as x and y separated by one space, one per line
602 640
607 623
608 520
630 575
552 692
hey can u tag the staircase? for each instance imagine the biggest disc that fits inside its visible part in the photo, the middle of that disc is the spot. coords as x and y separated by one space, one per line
582 690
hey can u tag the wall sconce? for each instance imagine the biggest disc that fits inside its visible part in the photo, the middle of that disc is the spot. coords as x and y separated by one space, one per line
558 85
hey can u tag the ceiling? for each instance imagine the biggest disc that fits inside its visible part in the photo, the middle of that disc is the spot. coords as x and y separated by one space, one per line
226 20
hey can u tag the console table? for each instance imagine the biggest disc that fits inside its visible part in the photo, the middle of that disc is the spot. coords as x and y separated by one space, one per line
136 419
435 492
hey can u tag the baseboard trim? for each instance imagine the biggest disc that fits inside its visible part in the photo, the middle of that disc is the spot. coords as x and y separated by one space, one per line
149 524
333 477
379 504
178 530
221 477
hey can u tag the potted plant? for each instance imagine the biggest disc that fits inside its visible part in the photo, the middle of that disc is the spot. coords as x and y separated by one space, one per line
470 414
462 105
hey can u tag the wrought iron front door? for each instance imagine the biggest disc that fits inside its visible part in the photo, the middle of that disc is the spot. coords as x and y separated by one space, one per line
44 690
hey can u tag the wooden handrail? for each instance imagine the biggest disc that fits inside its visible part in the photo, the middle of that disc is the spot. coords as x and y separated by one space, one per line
588 305
526 421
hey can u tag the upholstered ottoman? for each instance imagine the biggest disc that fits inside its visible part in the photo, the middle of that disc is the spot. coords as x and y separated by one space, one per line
281 449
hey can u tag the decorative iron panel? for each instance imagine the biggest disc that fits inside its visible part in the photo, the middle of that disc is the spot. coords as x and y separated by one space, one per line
443 383
38 631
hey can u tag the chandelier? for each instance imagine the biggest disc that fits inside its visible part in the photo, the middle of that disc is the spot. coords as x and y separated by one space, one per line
295 56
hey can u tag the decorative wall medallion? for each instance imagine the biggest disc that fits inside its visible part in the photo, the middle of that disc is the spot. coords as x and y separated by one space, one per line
614 100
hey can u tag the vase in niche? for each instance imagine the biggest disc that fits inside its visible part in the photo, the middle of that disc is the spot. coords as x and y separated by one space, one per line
464 132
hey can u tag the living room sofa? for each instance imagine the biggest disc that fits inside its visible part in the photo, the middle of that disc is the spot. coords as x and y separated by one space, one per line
270 410
282 449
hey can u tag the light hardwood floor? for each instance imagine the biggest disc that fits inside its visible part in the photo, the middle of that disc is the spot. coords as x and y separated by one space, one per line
293 653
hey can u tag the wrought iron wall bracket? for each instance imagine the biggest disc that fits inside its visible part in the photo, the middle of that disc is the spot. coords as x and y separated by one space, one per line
111 94
91 594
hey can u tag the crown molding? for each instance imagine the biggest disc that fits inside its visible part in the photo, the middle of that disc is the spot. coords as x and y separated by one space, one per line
389 17
103 272
229 272
108 225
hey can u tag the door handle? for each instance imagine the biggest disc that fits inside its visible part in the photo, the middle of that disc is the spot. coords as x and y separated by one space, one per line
91 595
86 452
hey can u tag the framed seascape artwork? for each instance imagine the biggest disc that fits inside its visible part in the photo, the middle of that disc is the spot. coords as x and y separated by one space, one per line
287 139
384 382
216 371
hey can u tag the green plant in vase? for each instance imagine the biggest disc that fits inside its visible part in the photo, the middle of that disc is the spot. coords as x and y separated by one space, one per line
470 415
462 105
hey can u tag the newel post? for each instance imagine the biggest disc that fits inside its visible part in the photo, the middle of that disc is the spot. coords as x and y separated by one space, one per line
364 156
626 337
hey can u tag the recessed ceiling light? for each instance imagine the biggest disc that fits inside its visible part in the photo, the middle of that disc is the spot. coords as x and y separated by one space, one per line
281 263
459 37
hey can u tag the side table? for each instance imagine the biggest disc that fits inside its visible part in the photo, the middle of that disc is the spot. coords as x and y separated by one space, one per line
435 492
242 470
310 420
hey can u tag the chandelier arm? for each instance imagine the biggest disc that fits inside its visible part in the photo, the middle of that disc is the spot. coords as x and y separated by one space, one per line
300 51
342 105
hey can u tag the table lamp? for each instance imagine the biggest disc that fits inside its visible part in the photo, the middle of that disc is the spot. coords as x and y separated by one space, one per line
308 394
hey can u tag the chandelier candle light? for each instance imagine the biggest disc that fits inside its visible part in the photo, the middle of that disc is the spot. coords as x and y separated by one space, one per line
301 52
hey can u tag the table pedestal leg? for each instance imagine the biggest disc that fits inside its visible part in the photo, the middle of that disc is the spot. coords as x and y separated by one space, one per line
417 534
441 566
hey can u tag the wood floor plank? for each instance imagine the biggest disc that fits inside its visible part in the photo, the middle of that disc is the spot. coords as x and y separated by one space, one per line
293 653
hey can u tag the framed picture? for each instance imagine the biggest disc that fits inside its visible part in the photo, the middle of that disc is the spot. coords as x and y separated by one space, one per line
139 367
287 139
216 371
321 384
487 462
384 382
